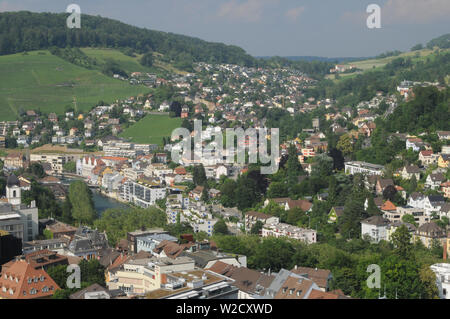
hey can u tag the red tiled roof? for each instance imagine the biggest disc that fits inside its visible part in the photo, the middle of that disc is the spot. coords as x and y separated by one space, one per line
22 280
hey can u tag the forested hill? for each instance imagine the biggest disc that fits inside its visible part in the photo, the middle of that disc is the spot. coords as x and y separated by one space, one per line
27 31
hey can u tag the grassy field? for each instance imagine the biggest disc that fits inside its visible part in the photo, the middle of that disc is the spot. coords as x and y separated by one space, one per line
152 129
371 64
41 80
130 64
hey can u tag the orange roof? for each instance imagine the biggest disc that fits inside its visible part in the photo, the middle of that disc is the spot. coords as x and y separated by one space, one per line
22 281
388 206
318 294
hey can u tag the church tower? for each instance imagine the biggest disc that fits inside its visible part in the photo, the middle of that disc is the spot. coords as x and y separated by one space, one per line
13 191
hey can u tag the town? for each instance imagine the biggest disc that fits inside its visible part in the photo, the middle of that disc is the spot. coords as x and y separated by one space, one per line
360 159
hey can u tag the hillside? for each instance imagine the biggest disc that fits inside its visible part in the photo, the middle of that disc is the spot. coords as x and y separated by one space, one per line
39 79
27 31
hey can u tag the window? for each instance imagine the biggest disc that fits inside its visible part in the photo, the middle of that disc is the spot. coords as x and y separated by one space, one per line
444 291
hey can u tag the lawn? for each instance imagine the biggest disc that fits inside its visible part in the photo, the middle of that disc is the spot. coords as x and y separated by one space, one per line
39 80
151 129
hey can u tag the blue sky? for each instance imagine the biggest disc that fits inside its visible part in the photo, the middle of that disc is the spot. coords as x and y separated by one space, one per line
331 28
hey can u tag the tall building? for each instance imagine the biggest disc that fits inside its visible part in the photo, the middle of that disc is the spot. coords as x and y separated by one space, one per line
10 247
16 218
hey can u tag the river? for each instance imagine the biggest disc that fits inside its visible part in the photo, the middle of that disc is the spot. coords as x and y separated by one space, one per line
101 202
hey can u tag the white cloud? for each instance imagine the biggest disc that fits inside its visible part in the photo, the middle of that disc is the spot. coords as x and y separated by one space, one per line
294 13
248 10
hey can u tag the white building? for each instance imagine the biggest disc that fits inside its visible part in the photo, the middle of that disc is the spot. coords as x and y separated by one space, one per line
363 168
375 227
442 272
285 230
16 218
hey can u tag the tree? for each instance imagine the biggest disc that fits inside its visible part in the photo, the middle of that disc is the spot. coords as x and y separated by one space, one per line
70 167
37 170
412 184
408 218
389 192
417 47
294 169
273 254
345 144
277 189
80 197
205 195
220 228
372 209
401 239
256 228
117 222
199 176
428 279
147 59
323 167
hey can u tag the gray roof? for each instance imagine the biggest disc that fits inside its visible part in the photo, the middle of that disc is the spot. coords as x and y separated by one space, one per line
12 181
376 221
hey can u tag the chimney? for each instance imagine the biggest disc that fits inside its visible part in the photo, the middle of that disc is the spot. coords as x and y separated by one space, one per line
295 267
445 251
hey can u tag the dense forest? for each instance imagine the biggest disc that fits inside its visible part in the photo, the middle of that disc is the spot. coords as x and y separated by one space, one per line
26 31
429 111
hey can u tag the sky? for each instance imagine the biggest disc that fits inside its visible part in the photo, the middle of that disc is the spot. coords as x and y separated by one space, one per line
328 28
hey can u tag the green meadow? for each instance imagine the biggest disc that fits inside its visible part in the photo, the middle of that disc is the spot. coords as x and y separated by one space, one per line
151 129
39 80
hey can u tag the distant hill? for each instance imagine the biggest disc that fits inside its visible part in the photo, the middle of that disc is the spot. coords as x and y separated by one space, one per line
27 31
442 42
319 58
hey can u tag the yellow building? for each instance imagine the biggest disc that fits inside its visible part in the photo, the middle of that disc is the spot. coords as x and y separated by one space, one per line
444 161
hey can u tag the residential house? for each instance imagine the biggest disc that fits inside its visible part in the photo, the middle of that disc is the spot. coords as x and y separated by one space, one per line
409 171
304 205
14 161
434 181
335 213
444 161
375 228
442 272
381 185
277 230
252 217
22 281
427 158
445 188
429 232
392 228
420 217
321 277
